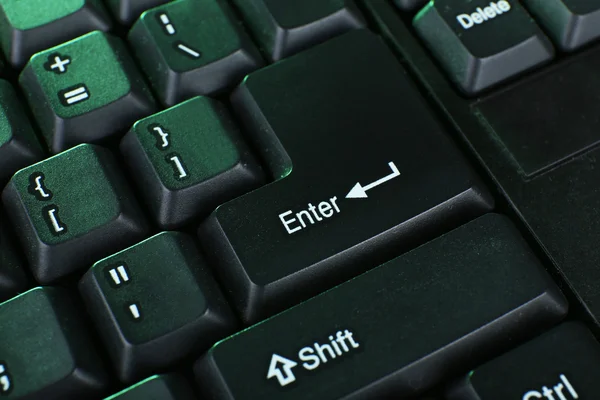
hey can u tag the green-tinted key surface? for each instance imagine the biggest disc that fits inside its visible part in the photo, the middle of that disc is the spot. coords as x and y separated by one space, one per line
85 90
28 26
157 387
189 159
155 303
60 207
18 145
29 14
45 352
192 47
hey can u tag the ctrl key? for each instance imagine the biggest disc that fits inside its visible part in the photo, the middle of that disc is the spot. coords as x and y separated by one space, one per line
562 364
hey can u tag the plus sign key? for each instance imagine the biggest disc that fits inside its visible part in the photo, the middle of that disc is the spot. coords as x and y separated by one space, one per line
85 91
67 219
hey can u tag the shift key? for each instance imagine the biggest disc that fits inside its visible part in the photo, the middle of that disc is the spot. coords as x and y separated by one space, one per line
398 330
362 172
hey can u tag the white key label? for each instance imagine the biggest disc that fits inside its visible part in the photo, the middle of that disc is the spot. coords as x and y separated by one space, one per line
5 381
294 222
563 390
178 166
118 275
481 15
312 357
52 217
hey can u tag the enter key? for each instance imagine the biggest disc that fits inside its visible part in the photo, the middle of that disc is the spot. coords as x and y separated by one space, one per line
362 173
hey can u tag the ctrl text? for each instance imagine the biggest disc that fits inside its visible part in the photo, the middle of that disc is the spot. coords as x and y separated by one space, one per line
564 390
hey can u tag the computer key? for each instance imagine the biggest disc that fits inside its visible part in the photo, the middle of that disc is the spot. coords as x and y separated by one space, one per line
192 47
45 351
27 27
71 210
363 171
285 27
19 146
481 43
188 160
571 23
154 304
127 11
157 387
562 364
398 330
85 91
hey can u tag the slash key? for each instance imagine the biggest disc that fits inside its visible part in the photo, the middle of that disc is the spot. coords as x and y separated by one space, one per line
373 174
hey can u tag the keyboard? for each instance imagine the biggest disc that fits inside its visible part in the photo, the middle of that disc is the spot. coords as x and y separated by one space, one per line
285 199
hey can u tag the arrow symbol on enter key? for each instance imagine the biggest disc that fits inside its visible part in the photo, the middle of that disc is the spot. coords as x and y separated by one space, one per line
360 192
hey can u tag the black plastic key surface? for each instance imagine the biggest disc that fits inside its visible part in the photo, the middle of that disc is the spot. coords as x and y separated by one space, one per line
409 5
189 159
85 91
154 304
571 23
71 210
157 387
127 11
285 27
363 171
45 352
27 27
397 330
562 364
12 268
481 43
192 47
19 146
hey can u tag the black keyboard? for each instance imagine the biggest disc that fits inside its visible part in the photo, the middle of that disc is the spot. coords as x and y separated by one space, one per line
285 199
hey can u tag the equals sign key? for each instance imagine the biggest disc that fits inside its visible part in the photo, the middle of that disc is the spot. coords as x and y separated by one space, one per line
73 95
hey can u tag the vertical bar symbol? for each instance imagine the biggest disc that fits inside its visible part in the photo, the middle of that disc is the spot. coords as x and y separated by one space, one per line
73 95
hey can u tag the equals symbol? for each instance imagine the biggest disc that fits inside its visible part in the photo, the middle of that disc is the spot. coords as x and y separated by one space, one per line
168 27
73 95
117 275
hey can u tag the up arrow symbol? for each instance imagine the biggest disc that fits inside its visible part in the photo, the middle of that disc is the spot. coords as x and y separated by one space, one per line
281 368
360 192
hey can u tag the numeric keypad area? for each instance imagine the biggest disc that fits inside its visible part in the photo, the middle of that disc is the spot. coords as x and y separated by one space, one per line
71 210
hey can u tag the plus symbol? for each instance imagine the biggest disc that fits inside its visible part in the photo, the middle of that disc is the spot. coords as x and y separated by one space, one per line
57 63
